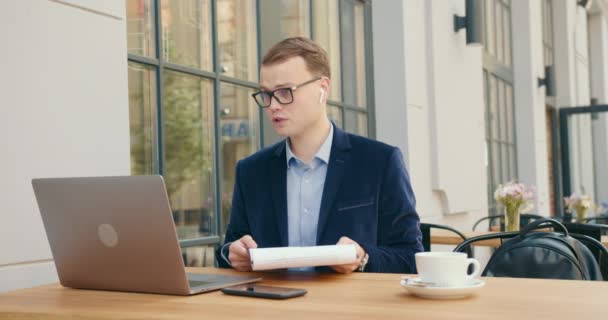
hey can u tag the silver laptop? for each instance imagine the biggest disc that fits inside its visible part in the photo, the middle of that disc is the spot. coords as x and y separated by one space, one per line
117 233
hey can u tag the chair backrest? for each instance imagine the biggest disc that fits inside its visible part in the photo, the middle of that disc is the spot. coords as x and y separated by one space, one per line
524 219
594 231
426 233
555 255
603 219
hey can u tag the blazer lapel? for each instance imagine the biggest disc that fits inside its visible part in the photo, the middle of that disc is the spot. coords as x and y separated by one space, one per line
338 160
278 181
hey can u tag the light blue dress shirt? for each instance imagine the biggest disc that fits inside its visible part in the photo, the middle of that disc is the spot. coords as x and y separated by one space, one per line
304 192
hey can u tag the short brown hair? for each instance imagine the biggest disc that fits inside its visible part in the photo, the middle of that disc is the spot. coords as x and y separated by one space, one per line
314 56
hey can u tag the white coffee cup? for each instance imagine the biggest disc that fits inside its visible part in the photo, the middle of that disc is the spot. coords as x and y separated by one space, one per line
446 269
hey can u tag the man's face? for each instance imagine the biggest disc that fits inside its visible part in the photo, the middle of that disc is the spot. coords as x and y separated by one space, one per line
294 119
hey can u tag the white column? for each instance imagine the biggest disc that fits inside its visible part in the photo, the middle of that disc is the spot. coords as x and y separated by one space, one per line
530 122
389 73
64 112
429 102
455 112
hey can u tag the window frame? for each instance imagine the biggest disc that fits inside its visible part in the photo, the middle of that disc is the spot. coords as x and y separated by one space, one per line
159 65
503 73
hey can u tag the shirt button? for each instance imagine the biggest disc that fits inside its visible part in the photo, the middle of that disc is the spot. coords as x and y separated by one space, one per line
306 180
305 210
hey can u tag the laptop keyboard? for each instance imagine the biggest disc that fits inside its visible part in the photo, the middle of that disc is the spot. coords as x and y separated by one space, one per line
194 283
197 280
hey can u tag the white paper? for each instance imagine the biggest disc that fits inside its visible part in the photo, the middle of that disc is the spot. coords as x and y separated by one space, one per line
297 257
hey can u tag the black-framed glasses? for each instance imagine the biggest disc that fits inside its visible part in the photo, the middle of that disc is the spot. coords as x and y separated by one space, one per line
282 95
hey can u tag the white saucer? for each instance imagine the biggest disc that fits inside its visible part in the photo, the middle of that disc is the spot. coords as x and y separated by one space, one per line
416 287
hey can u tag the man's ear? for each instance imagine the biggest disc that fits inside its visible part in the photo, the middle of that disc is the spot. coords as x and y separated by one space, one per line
324 89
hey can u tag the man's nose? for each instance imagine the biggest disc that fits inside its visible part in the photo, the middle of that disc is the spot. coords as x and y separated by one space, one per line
274 104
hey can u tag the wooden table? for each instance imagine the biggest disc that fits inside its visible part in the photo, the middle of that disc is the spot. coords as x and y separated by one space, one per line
330 296
440 236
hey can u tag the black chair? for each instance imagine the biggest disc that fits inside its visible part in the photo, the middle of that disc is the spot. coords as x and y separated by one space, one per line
594 231
603 219
524 219
589 235
426 235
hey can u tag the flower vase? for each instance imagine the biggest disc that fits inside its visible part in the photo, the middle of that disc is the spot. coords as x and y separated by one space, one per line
511 219
580 215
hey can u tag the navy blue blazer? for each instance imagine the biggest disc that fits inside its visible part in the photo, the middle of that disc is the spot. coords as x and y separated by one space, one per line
367 197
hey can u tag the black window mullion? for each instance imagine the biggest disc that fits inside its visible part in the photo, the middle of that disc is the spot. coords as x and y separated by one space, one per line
369 69
342 111
159 86
311 19
238 82
142 60
188 70
216 118
259 42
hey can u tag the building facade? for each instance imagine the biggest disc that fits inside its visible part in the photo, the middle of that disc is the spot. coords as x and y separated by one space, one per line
163 87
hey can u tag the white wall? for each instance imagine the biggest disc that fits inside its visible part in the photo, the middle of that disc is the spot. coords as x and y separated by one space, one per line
64 112
389 73
434 112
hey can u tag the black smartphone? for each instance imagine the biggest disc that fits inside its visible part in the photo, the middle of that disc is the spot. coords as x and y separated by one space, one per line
260 291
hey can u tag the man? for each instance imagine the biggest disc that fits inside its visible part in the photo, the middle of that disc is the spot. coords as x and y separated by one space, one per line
320 185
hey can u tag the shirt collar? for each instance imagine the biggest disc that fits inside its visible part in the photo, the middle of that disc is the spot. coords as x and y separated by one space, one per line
323 152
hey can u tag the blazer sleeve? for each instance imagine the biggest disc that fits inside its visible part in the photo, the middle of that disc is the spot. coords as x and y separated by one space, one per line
238 225
399 235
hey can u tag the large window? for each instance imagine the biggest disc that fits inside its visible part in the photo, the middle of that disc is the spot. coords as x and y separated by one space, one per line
501 150
193 65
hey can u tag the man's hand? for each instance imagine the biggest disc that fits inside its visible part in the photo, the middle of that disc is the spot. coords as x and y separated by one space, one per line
239 253
348 268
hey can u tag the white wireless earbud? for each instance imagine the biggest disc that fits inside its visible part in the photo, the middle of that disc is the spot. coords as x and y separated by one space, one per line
321 96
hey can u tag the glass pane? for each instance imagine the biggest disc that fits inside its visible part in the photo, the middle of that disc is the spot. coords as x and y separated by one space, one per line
295 18
486 103
545 19
198 256
490 184
140 28
505 162
188 153
186 32
142 119
353 53
549 17
326 31
493 108
499 32
355 122
502 115
513 162
360 53
507 35
509 117
496 165
237 38
335 114
489 23
239 132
